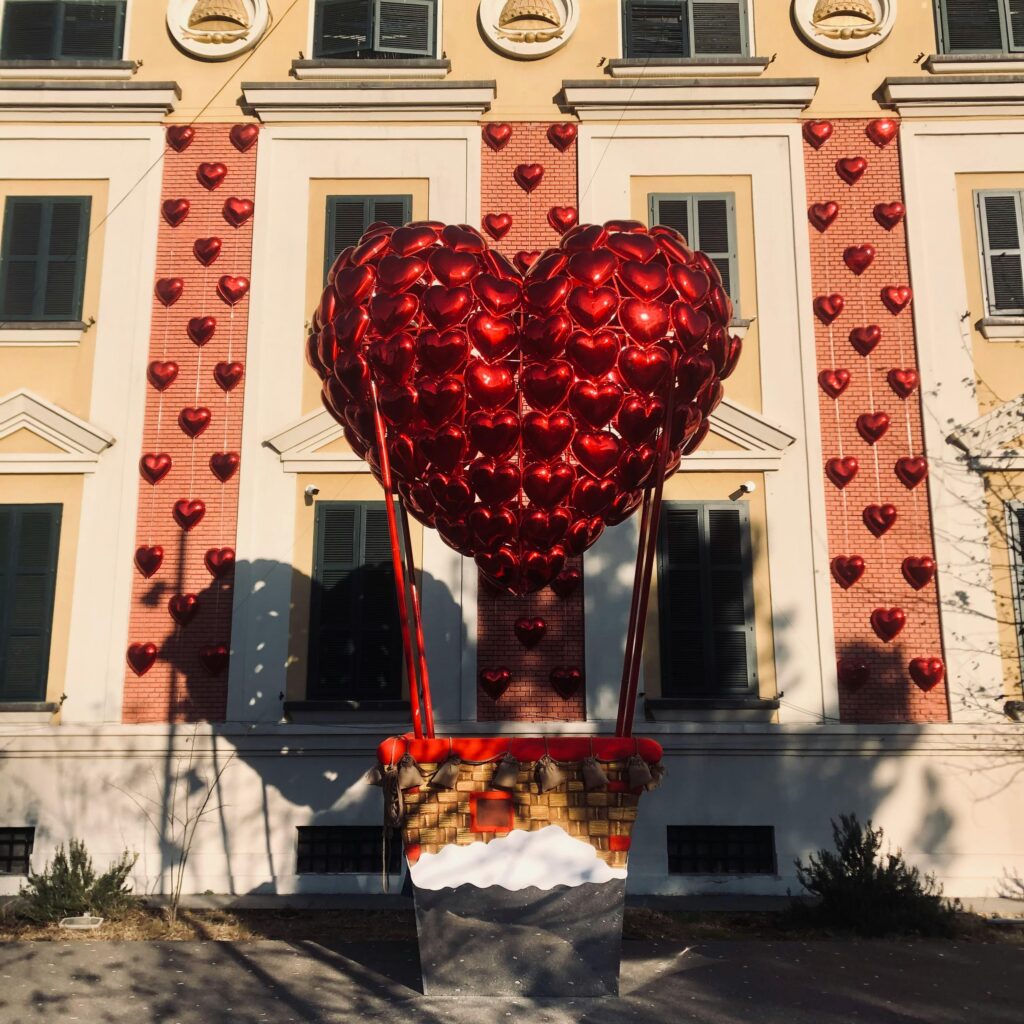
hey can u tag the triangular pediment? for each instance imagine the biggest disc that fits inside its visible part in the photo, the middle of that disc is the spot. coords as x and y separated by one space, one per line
37 436
747 441
995 440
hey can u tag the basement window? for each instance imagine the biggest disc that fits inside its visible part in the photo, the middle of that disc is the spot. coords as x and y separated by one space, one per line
721 850
346 850
16 850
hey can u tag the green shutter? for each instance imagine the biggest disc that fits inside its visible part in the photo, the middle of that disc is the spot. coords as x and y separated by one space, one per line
29 542
1015 23
355 647
349 216
92 31
708 222
344 28
29 31
404 27
43 257
719 28
706 605
656 28
62 30
973 26
1001 230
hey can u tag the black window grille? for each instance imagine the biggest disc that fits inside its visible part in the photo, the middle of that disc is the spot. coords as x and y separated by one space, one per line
62 30
16 850
721 850
346 850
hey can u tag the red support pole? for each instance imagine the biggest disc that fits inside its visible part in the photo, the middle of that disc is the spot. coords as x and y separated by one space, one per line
627 658
396 561
421 649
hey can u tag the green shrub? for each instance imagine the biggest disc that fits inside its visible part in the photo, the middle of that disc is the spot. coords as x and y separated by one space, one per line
69 886
863 890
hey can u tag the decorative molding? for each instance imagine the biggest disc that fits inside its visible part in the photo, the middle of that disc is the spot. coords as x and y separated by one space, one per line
87 101
955 95
686 67
844 28
326 69
299 445
984 441
528 35
1001 328
974 63
274 102
68 70
215 39
81 443
36 333
704 98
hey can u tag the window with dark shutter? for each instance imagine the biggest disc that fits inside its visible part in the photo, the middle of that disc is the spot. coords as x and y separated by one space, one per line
706 602
1015 522
672 29
375 29
29 541
349 216
355 647
68 30
1001 230
708 222
981 26
42 257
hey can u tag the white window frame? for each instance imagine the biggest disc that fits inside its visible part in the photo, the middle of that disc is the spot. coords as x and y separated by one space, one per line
987 286
129 9
311 30
621 31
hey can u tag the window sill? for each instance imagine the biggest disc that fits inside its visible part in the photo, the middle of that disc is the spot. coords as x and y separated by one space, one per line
710 709
42 332
320 711
327 68
974 63
78 70
685 67
739 327
29 712
1002 328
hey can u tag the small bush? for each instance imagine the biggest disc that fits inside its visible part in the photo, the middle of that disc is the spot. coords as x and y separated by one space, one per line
69 886
861 889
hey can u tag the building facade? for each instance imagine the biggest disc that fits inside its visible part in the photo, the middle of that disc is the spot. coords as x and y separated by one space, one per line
195 594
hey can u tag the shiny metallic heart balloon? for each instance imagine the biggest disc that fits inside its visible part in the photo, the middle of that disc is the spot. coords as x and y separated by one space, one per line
524 412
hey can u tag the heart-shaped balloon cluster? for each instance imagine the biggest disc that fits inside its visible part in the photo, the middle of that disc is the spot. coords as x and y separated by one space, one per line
523 413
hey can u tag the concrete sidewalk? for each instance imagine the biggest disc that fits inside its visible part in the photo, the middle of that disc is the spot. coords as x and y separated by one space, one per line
305 983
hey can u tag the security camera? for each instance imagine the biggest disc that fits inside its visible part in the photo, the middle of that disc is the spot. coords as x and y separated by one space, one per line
748 486
312 490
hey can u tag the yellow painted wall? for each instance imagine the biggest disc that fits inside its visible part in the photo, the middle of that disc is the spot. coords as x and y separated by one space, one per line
57 489
333 487
1003 487
696 486
61 374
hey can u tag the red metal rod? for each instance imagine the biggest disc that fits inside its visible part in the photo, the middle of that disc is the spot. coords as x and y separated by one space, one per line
396 561
645 583
421 648
627 657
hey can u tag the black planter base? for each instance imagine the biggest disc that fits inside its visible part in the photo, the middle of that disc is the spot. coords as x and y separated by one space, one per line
565 941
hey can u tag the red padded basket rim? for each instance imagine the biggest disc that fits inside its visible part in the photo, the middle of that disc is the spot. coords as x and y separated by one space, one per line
523 748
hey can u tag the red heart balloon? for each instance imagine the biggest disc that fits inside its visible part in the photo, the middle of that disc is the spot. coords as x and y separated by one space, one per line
566 681
834 382
911 470
545 385
859 257
494 682
872 426
496 135
494 482
566 583
547 436
237 211
154 466
817 133
498 296
851 169
211 175
842 471
175 210
491 386
927 673
639 420
215 658
219 562
562 136
183 608
497 225
193 421
180 136
545 529
200 329
243 136
169 289
188 514
141 657
889 214
918 571
393 358
227 375
847 570
645 369
494 435
879 519
865 339
524 259
206 250
224 465
162 374
528 176
827 308
882 130
888 623
853 673
561 218
232 289
596 404
597 451
529 631
592 356
548 484
896 298
148 559
822 215
903 382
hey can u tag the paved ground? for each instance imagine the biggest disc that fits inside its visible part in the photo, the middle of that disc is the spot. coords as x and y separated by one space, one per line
305 983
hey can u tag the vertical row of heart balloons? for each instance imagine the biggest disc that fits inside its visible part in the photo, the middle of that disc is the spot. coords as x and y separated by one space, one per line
872 424
193 420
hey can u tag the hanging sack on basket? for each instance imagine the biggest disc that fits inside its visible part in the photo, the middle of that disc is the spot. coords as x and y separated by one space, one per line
506 775
549 776
593 774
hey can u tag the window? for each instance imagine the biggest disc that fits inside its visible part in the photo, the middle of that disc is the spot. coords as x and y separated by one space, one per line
345 849
349 216
16 850
721 850
981 26
42 258
658 29
29 537
375 29
1001 230
708 222
1015 522
706 601
62 30
355 650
